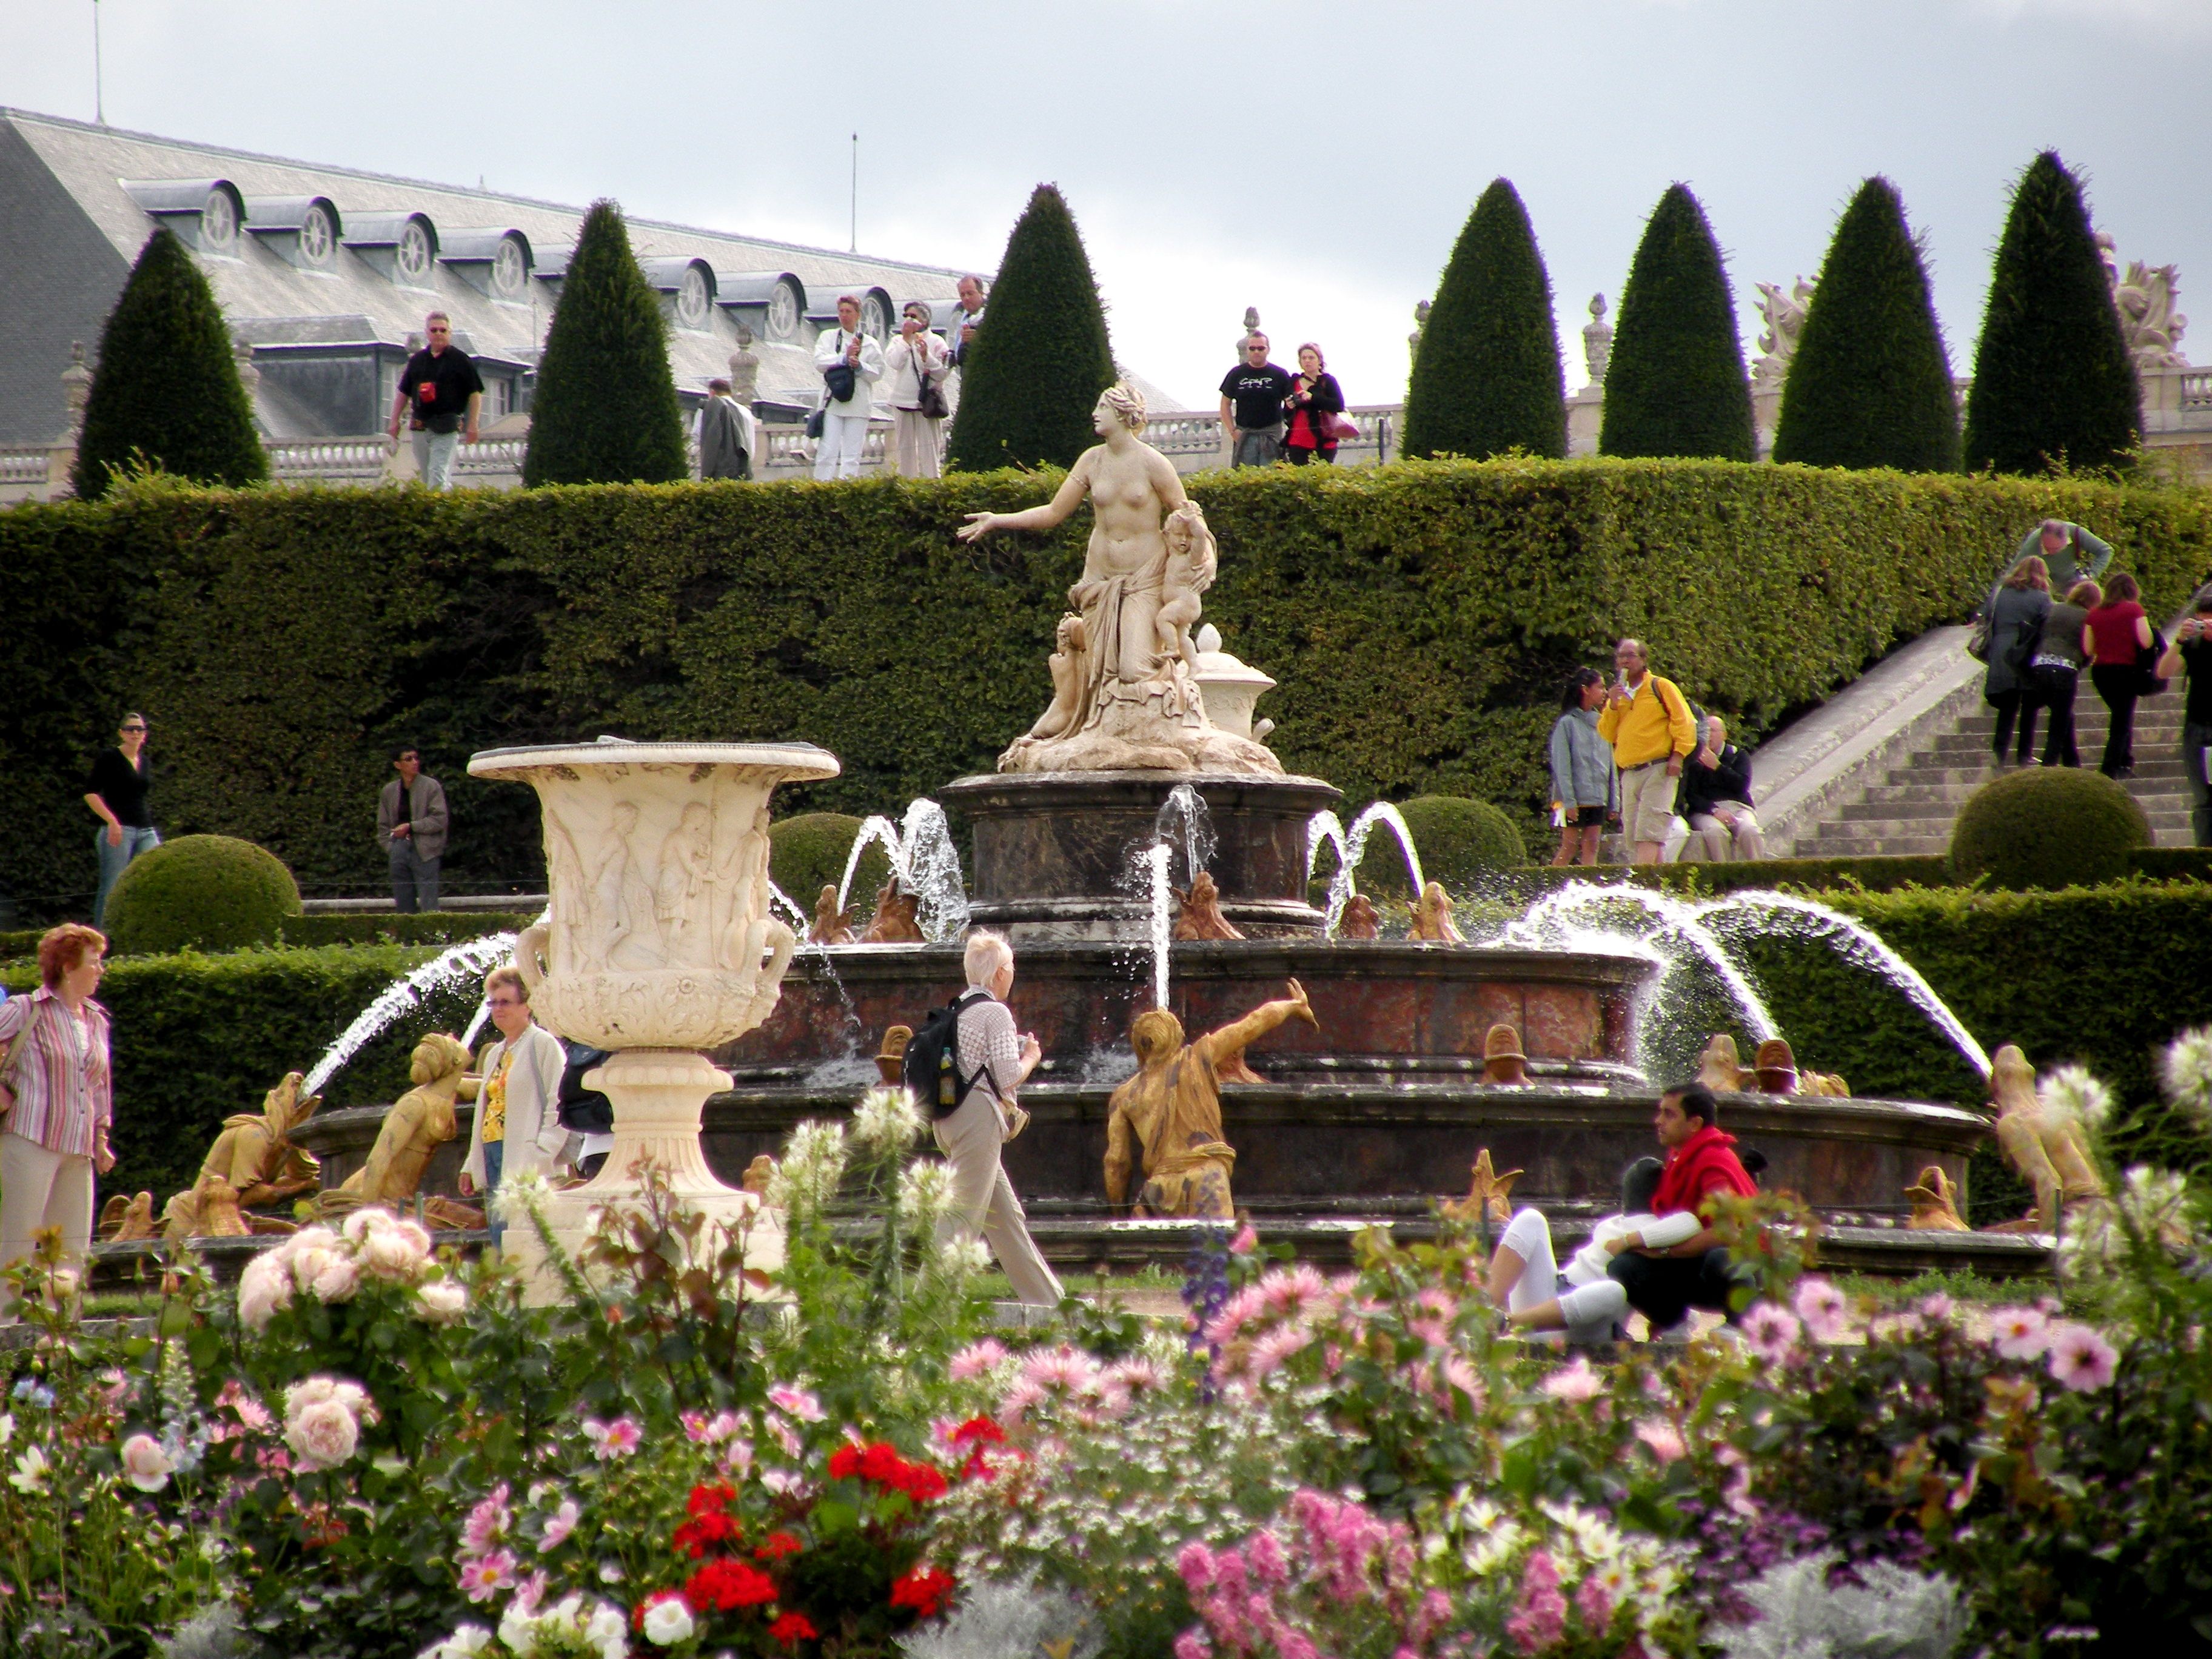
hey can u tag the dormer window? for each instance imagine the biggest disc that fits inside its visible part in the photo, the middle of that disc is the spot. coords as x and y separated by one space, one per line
319 237
510 270
219 222
694 299
415 254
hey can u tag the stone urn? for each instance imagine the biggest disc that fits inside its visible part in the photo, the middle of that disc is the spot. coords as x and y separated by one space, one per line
658 942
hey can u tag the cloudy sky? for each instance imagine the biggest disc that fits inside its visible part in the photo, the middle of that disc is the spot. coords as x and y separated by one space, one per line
1314 160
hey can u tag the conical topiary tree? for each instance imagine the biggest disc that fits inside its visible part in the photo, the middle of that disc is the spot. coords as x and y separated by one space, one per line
1870 385
1036 367
606 410
2053 382
1487 377
166 393
1676 385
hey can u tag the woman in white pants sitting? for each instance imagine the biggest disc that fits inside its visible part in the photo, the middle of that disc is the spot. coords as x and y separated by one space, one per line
995 1062
1583 1301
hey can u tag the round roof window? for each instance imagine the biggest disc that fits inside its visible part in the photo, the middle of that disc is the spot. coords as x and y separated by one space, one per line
415 254
219 222
692 300
508 270
319 236
782 311
875 316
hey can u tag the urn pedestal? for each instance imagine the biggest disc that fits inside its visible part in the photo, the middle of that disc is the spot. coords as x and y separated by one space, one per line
659 942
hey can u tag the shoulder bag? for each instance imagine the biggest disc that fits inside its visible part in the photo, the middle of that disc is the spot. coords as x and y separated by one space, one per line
2148 682
930 404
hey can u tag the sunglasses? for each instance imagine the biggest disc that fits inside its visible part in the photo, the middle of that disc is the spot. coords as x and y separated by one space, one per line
133 728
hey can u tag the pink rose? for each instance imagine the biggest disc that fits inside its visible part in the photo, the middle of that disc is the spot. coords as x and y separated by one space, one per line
145 1465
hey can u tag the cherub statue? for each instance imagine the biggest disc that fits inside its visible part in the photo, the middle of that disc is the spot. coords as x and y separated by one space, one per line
1360 919
1170 1113
1193 562
1718 1068
831 925
2046 1149
420 1122
254 1158
1200 916
1934 1203
896 920
1433 916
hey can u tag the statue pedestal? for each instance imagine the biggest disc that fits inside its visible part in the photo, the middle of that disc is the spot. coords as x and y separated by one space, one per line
657 1093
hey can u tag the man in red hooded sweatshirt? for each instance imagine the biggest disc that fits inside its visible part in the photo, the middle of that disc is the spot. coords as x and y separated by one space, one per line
1701 1162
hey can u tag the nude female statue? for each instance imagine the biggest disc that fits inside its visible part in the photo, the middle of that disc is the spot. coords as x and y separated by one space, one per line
1124 696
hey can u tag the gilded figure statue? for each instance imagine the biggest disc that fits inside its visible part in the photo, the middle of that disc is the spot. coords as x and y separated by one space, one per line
1168 1115
897 918
1719 1068
831 925
255 1160
1934 1203
1360 919
127 1220
420 1122
2046 1149
1502 1062
1198 911
1488 1193
1433 916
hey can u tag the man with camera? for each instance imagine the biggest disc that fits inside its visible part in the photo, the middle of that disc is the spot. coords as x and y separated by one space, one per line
441 388
850 362
2191 653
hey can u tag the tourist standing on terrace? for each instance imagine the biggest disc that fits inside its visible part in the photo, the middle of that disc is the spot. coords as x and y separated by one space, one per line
411 826
1582 770
916 364
966 321
2069 553
2017 609
1648 725
850 362
116 791
1251 396
1664 1285
2191 653
725 435
1717 799
1315 403
994 1061
517 1123
2119 633
55 1100
441 388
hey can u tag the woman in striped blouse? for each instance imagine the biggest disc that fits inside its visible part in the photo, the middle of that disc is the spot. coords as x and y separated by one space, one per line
55 1101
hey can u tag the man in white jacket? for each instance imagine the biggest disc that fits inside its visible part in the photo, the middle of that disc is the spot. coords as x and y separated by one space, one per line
845 421
517 1121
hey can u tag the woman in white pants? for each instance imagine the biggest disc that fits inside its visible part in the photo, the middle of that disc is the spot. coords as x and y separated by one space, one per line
911 362
56 1099
1583 1301
844 423
997 1063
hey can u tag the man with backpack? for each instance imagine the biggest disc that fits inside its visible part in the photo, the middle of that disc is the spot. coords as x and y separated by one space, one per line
1648 725
963 1065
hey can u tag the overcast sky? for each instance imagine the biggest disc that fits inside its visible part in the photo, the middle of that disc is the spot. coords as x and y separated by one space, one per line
1315 160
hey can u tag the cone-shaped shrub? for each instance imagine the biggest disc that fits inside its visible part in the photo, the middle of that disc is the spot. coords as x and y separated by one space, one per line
1036 367
606 410
1676 385
1488 377
166 391
2052 378
1870 385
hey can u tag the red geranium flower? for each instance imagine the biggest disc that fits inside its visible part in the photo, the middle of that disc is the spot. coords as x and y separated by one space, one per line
791 1628
710 1500
926 1589
776 1546
721 1586
984 1429
692 1538
879 1463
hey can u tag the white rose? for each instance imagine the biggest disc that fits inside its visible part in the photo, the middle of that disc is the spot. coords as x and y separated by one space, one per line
338 1281
373 1218
667 1622
393 1252
145 1465
441 1302
264 1289
310 1264
323 1437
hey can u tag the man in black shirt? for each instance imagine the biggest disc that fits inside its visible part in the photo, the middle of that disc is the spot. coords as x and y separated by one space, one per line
2191 653
444 392
1717 799
1251 396
116 791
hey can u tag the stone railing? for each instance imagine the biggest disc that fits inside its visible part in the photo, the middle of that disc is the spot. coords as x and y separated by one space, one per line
329 460
787 452
23 470
1192 438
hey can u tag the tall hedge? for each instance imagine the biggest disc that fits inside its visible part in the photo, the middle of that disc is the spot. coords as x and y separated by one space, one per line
1419 618
2053 382
1033 374
1487 377
1675 384
605 409
1870 384
166 391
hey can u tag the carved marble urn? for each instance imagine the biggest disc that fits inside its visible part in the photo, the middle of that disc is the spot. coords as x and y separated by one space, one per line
659 940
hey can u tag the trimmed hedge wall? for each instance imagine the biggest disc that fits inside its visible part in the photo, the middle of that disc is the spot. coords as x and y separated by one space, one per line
1420 616
388 927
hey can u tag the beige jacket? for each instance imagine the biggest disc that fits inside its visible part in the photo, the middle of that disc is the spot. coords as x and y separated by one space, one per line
534 1134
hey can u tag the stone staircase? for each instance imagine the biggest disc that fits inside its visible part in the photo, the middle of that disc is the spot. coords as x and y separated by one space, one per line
1912 811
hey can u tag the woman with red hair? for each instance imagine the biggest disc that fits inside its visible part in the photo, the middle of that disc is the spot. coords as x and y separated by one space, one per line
55 1100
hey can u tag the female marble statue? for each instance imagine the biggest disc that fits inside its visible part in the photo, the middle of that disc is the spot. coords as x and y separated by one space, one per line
1121 703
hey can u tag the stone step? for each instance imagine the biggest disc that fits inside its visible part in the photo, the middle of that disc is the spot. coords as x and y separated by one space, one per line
1898 822
1927 773
2165 724
2154 793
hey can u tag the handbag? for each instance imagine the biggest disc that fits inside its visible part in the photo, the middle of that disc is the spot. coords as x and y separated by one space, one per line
840 379
2148 682
930 405
2021 652
1337 426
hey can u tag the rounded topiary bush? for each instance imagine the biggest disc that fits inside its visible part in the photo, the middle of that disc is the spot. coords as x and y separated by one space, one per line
1459 841
208 892
808 852
2047 827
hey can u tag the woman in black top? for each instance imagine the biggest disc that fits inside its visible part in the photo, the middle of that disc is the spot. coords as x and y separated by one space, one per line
1315 396
116 791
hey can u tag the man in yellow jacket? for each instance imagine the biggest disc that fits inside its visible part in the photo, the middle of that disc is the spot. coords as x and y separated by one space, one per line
1647 721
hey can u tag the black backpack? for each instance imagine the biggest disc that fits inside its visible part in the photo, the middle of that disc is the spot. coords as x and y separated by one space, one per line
931 1069
583 1111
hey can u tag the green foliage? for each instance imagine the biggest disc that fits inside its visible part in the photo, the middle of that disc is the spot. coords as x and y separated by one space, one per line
198 1038
1461 842
2051 826
1875 875
2054 385
1870 384
606 410
213 892
851 617
807 854
1487 379
389 927
1675 384
1033 374
166 395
